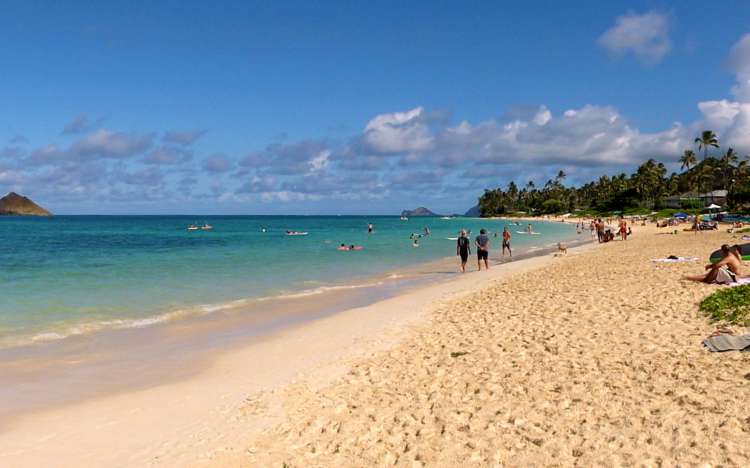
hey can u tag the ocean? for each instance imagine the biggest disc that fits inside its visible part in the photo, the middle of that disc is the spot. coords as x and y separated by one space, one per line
72 275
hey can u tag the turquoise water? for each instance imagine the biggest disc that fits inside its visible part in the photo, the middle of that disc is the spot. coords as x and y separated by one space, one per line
72 272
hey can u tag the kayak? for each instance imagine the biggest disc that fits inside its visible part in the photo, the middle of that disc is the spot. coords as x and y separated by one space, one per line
532 233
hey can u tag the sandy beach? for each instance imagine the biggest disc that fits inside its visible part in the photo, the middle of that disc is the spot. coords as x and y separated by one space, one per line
593 358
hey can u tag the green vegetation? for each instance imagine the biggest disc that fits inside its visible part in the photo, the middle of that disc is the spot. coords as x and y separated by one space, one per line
639 193
731 305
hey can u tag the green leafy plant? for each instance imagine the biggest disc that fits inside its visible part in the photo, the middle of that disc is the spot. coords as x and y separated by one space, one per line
731 305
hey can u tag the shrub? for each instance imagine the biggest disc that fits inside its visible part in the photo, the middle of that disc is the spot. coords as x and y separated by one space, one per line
553 206
730 305
691 204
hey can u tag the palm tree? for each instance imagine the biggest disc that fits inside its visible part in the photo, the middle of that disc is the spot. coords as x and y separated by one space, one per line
727 160
706 179
729 157
707 138
688 159
561 175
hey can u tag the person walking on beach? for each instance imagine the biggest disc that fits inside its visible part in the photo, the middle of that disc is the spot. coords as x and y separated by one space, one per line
623 229
483 249
506 242
463 249
600 230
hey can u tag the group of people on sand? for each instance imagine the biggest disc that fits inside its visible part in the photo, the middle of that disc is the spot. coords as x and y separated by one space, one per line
482 244
602 233
726 271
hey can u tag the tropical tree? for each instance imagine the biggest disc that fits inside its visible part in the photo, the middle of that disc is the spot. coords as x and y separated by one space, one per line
561 176
727 164
707 138
706 178
688 159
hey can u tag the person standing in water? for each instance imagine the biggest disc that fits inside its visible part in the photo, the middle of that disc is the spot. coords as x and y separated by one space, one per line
483 249
506 242
463 249
529 229
370 228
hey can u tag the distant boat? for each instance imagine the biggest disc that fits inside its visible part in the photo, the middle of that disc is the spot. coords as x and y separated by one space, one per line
446 217
296 233
192 227
206 227
404 218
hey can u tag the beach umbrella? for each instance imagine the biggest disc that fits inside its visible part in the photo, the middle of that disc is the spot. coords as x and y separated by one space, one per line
713 207
680 215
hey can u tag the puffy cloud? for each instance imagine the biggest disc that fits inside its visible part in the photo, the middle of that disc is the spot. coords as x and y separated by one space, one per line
289 158
730 120
320 161
645 36
49 154
108 144
184 137
739 61
168 155
217 164
397 132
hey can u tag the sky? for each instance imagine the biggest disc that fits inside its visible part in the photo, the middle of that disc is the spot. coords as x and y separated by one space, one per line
354 107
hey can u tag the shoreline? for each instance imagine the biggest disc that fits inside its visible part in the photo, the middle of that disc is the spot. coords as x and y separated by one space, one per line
222 387
57 373
58 331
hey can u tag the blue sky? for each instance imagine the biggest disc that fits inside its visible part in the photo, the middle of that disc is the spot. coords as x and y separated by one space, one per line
354 107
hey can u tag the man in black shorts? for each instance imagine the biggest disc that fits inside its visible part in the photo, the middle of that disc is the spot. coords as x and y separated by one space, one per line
463 249
483 249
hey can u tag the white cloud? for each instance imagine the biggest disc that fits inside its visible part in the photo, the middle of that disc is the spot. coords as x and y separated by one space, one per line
108 144
730 120
287 196
168 155
397 132
739 61
645 36
320 161
184 137
217 164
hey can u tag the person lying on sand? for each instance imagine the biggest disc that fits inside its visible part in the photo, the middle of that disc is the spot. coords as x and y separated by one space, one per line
725 271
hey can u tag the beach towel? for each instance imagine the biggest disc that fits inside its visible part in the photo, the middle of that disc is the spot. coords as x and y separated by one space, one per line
674 260
740 282
721 343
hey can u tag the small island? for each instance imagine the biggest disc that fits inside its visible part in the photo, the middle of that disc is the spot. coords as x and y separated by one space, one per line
421 211
14 204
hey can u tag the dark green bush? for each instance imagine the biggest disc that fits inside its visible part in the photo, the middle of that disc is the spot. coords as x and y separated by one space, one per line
691 204
730 305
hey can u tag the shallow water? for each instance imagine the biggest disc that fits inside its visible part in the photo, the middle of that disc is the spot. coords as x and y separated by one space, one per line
69 275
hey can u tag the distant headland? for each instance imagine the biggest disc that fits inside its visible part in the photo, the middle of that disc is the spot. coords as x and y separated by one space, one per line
15 204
